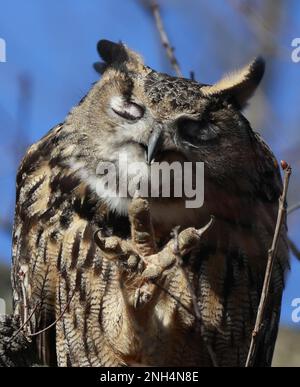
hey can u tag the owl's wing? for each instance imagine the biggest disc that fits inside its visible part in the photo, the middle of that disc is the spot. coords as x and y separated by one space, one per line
33 246
269 184
53 235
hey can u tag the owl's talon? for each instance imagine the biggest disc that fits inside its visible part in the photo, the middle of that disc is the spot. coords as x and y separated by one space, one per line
138 260
203 229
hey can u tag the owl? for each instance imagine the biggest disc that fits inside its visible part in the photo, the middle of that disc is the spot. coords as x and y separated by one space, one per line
100 279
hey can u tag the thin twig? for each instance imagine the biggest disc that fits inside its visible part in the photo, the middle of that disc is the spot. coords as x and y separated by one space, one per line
257 332
25 323
262 28
58 318
164 38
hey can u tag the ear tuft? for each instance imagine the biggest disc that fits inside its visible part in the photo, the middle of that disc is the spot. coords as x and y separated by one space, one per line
117 55
257 70
241 84
100 67
112 52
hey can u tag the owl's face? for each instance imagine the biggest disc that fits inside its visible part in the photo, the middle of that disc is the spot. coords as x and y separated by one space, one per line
142 116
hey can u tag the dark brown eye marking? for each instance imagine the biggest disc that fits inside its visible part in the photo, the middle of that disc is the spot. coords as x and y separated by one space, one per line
195 132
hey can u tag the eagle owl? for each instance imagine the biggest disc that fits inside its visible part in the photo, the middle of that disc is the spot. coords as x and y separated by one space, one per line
123 295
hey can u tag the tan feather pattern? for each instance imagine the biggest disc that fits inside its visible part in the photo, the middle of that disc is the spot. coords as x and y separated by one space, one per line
61 274
65 270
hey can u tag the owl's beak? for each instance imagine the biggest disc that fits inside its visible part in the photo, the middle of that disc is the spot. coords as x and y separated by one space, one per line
154 145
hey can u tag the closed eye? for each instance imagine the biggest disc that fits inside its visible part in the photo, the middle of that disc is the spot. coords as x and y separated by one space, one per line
195 132
126 109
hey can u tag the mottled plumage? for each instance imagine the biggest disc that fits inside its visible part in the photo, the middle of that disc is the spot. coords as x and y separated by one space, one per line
59 272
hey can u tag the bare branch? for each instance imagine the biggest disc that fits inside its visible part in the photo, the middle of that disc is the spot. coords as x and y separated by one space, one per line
164 38
24 325
58 318
257 332
263 25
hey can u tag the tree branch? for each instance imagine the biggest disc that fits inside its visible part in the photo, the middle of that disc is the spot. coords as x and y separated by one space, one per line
57 319
257 332
164 38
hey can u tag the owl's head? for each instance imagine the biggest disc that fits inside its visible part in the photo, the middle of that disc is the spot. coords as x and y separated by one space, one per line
146 115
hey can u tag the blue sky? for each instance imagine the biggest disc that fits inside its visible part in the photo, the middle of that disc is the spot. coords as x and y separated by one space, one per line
52 44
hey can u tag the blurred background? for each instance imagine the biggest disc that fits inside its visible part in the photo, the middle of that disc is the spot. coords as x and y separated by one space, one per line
49 47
